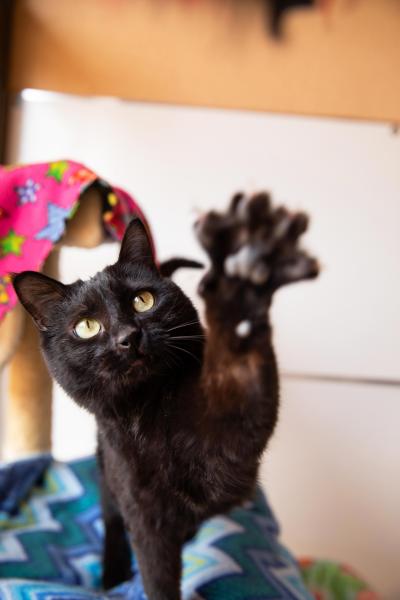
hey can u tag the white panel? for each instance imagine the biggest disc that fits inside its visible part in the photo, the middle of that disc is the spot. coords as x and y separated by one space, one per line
179 160
74 430
332 475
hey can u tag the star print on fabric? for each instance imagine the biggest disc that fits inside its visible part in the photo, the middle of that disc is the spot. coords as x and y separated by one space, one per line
11 244
57 170
81 176
27 192
4 297
112 199
74 210
56 223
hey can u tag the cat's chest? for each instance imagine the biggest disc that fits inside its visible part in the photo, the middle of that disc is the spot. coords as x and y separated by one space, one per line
147 462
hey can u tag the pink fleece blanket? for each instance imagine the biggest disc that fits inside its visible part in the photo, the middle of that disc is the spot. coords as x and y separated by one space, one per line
35 203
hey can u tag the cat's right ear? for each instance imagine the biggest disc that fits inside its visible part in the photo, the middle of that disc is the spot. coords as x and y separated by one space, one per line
136 247
38 294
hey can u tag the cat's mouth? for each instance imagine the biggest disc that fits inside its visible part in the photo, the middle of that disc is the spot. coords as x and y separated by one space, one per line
137 362
131 364
134 370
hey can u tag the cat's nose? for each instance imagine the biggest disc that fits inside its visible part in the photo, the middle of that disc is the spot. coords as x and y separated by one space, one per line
126 337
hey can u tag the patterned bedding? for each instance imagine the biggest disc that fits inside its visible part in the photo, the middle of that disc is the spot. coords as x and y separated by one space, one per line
51 539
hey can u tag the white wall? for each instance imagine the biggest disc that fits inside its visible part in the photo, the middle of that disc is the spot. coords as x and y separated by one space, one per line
332 469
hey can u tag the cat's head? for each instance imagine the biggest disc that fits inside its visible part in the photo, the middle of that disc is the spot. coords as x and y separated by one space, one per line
127 327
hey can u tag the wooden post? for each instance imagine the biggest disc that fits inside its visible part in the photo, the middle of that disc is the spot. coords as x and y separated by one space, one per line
6 12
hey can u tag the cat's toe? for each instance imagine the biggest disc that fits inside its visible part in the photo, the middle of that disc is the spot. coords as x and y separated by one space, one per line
218 233
298 267
257 209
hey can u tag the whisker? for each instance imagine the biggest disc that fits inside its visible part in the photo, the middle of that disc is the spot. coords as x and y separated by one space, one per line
183 325
187 352
196 338
174 357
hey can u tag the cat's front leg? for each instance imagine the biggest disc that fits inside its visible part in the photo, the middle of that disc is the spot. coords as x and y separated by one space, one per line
159 559
254 250
117 553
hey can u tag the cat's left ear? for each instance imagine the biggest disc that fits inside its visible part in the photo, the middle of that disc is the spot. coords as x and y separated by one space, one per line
136 247
38 294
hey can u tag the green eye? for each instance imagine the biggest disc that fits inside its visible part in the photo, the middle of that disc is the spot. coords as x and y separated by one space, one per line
87 328
143 301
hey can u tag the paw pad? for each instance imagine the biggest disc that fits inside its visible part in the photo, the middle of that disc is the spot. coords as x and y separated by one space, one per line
243 329
247 263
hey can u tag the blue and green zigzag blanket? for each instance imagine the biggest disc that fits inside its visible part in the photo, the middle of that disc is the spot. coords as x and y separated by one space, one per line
51 538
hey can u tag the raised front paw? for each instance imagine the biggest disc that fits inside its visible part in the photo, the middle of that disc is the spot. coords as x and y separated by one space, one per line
256 243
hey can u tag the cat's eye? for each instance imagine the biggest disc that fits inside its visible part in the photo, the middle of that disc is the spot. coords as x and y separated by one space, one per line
87 328
143 301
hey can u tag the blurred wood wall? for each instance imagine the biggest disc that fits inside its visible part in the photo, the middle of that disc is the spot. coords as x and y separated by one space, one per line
5 38
214 53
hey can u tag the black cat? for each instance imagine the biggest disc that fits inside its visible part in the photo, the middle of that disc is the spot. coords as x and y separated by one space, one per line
183 414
